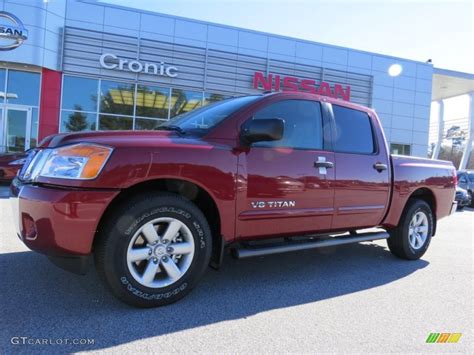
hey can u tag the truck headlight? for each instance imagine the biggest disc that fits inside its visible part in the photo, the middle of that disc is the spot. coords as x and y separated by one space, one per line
81 161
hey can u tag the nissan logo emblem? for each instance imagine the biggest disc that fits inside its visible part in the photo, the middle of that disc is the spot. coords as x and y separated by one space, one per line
12 31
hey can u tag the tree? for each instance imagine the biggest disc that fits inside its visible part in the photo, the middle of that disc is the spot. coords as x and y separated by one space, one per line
77 120
452 145
450 153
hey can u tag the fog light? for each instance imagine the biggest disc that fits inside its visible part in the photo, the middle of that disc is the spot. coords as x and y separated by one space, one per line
29 231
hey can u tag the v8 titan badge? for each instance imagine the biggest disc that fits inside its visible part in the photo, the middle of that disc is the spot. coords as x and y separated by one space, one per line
273 204
12 31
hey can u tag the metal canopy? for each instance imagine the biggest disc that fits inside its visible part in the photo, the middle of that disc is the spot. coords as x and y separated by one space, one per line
450 83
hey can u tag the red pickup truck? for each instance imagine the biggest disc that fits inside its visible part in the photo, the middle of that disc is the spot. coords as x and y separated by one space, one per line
256 175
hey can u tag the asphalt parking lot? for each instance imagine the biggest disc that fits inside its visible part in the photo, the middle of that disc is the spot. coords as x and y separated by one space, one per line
354 298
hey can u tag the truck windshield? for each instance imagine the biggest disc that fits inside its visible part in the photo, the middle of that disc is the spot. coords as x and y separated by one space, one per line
201 120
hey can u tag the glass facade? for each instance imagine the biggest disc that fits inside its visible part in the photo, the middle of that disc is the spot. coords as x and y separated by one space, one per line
152 101
23 88
96 104
19 109
76 121
210 98
116 98
401 149
80 94
111 123
183 101
34 127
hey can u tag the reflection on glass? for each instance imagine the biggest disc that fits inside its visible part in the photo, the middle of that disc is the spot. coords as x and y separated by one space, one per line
23 88
402 149
16 130
79 92
2 84
113 123
34 128
184 101
210 98
77 121
146 123
152 101
116 97
201 120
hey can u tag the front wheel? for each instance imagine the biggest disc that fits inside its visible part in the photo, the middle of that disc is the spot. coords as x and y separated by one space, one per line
154 249
411 238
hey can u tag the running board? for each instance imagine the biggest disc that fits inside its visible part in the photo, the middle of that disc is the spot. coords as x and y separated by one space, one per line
294 246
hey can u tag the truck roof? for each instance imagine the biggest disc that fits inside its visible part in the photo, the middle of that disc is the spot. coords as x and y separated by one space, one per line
301 94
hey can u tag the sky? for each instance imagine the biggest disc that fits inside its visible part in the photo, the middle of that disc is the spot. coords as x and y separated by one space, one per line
420 30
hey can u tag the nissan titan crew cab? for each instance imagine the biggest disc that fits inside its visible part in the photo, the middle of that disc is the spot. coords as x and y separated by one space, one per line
256 175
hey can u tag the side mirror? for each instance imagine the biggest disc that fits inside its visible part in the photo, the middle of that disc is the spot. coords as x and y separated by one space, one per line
268 129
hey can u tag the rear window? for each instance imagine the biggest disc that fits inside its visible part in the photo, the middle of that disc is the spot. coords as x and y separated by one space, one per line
353 131
471 177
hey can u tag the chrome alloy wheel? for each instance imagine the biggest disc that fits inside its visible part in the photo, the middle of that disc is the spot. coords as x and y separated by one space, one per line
160 252
418 230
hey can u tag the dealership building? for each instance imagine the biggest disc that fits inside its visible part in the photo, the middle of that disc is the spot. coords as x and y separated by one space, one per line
85 65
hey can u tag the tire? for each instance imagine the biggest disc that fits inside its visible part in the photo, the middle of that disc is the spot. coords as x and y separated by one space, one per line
460 208
472 199
404 245
140 227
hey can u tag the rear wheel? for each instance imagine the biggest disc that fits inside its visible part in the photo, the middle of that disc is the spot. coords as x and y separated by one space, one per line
154 250
411 238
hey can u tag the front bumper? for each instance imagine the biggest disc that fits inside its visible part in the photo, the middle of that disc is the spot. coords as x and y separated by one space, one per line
57 221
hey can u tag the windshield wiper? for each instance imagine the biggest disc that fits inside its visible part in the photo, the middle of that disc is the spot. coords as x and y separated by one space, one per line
172 128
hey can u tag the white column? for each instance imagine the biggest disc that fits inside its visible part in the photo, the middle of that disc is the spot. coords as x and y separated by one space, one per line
437 147
470 133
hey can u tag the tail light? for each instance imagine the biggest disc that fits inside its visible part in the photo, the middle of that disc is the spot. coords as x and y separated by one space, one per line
455 178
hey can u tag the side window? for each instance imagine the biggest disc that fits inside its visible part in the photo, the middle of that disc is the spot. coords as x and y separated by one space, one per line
353 131
462 178
303 124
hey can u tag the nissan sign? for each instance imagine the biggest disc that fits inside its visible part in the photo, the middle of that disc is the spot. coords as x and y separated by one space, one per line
291 83
112 62
12 31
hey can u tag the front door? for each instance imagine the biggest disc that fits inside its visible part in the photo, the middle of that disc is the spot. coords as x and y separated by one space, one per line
281 188
17 128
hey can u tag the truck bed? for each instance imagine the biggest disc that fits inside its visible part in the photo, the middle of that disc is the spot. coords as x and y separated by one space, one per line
420 175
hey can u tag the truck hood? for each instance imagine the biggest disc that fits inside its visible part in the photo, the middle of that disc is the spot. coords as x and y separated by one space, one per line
119 139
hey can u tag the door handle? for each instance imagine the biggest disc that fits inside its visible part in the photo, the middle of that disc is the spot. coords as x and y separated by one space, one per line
323 164
380 167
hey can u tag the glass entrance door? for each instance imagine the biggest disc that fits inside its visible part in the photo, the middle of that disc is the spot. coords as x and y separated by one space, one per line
3 147
18 128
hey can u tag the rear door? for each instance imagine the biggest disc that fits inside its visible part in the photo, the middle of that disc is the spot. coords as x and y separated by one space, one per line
362 183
